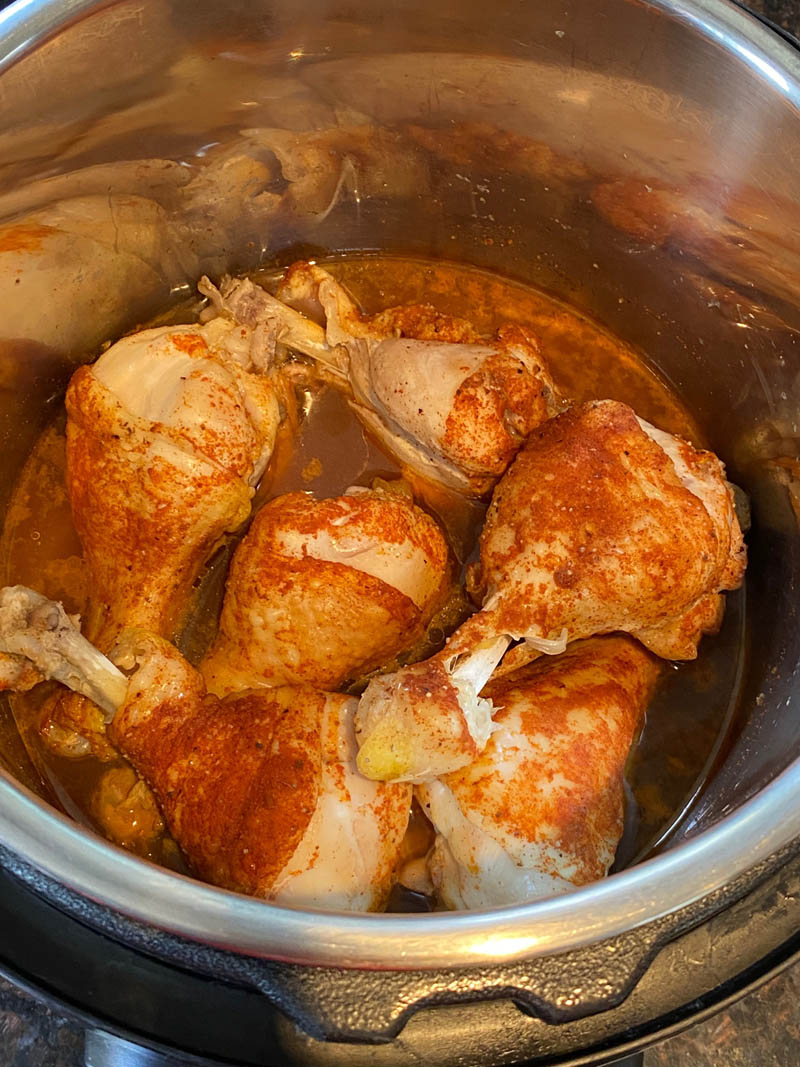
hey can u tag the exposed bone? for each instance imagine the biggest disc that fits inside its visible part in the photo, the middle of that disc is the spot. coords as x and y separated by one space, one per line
253 306
40 631
406 389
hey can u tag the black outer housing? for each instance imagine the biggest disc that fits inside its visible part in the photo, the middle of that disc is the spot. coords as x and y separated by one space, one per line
173 995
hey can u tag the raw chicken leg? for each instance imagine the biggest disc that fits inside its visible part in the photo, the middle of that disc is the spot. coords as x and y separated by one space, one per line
449 405
259 790
321 591
602 523
541 809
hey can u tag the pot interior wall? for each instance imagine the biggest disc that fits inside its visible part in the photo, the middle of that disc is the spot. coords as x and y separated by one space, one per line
612 155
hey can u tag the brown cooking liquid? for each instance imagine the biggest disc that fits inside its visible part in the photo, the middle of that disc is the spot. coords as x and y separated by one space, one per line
688 718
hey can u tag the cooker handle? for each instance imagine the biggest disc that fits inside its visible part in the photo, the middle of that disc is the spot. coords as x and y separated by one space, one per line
372 1007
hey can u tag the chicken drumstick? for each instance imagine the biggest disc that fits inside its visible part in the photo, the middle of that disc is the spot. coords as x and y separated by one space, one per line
541 809
451 406
321 591
259 790
168 433
602 523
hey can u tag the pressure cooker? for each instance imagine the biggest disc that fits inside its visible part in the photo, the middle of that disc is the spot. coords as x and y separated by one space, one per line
690 96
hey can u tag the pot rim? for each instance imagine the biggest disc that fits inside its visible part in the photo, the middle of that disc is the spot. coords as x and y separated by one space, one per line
94 868
98 870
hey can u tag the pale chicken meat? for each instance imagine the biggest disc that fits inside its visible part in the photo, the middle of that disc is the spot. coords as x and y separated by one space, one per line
426 719
541 810
602 524
260 790
451 406
322 591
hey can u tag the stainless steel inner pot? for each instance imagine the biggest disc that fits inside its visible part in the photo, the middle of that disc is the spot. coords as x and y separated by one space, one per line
690 101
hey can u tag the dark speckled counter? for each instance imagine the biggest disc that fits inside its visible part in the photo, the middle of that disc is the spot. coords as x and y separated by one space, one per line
762 1030
32 1036
785 13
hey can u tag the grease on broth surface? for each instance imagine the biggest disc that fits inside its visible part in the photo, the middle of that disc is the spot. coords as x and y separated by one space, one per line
688 719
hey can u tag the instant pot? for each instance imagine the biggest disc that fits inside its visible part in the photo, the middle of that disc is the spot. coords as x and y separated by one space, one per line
636 159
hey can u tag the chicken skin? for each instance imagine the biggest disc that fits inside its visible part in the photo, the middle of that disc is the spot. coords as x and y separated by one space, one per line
607 523
127 812
541 809
168 434
448 404
602 524
260 791
427 719
322 591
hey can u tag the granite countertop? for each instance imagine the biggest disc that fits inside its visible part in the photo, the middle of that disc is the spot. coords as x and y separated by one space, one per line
762 1030
785 13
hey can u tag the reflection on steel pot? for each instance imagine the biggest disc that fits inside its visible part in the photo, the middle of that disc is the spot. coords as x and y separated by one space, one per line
637 160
